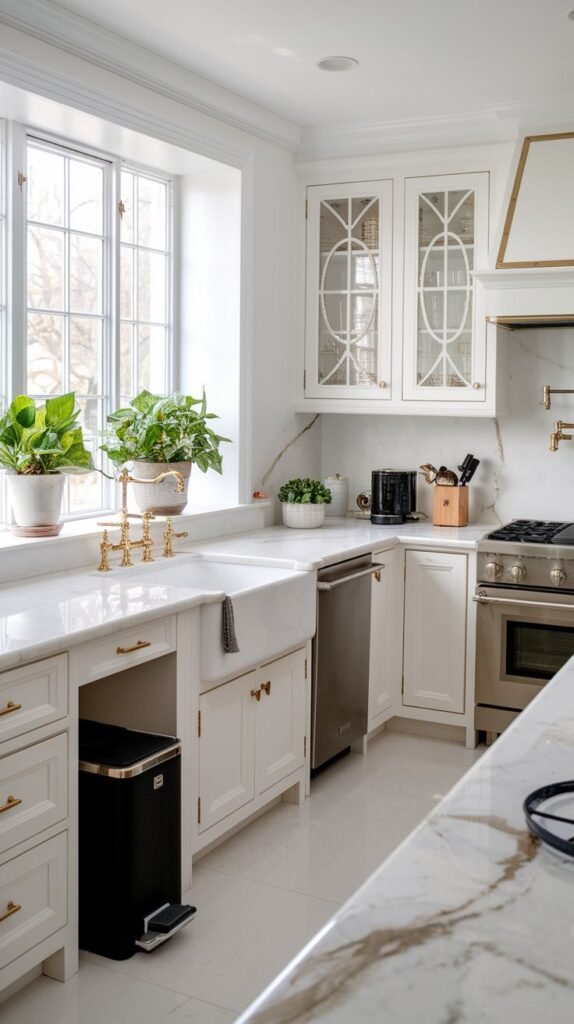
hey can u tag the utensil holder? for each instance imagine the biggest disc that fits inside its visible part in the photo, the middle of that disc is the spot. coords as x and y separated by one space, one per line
450 506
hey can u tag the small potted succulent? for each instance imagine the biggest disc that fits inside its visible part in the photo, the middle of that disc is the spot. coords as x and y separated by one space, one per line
156 434
38 446
303 503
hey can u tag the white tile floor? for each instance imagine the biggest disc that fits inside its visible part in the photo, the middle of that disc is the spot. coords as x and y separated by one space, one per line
261 895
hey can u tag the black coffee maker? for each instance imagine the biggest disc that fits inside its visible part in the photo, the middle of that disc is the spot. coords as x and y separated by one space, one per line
393 495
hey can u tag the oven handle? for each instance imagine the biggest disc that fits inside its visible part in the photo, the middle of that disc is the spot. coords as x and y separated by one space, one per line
483 599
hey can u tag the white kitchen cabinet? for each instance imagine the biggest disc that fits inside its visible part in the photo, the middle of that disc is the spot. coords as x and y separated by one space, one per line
434 660
386 637
226 747
280 720
251 738
446 238
349 285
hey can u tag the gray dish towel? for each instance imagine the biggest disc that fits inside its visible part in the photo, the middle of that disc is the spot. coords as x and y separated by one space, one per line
228 635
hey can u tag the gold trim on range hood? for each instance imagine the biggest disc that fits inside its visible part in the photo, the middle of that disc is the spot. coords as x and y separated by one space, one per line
515 323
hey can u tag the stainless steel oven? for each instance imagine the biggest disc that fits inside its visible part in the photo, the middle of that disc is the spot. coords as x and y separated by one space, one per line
524 636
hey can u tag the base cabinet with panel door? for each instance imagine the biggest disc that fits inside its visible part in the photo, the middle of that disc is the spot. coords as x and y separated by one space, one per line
251 743
434 657
386 661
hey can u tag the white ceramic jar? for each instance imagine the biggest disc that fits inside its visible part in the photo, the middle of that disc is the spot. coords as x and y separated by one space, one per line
339 488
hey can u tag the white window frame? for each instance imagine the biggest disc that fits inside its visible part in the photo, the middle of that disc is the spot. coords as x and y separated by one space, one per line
13 379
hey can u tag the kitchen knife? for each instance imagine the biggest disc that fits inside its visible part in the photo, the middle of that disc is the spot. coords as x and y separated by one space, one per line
465 464
469 472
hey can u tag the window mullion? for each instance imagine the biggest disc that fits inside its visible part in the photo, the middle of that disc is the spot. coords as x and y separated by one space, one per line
16 284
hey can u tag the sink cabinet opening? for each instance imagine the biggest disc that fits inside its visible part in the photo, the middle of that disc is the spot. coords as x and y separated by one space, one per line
142 697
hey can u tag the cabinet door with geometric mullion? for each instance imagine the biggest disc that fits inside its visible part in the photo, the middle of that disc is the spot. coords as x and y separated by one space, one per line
446 226
348 322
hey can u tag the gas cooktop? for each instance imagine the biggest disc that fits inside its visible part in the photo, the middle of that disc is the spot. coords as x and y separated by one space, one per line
534 531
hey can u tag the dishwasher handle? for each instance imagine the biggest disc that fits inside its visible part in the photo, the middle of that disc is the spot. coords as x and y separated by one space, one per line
354 576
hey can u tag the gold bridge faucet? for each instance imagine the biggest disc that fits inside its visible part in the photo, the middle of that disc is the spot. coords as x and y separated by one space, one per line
125 543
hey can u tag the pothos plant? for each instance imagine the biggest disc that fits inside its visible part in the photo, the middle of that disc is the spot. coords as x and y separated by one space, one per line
164 429
43 439
303 491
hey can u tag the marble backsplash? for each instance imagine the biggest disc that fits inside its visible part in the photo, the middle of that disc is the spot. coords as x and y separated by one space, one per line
518 475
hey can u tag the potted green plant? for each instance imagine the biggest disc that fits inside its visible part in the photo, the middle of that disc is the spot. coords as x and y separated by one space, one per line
156 433
303 503
38 446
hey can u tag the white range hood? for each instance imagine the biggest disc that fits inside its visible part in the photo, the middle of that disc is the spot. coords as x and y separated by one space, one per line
533 283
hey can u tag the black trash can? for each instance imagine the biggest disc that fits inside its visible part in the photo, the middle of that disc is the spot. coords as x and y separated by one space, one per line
129 840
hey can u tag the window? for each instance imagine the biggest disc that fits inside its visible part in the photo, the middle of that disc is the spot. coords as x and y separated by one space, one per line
94 291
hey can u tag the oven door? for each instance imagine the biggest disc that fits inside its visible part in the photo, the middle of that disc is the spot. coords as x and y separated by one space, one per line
523 638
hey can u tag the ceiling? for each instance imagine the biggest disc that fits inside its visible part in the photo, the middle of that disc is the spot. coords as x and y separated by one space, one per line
417 58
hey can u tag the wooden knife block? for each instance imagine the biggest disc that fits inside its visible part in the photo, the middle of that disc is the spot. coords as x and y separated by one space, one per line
450 506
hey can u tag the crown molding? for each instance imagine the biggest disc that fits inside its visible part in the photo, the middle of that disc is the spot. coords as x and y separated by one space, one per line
84 39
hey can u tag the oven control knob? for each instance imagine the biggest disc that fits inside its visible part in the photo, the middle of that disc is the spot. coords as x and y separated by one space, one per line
517 573
493 570
558 576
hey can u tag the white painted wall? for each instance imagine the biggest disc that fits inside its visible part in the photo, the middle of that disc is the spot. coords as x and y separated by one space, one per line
518 475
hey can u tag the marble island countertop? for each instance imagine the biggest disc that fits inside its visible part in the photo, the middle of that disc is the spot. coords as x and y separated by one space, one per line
470 919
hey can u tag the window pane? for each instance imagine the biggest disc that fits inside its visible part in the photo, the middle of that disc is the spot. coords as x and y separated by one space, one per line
127 197
86 194
126 360
85 355
151 287
85 274
45 268
151 213
45 354
152 359
45 186
126 283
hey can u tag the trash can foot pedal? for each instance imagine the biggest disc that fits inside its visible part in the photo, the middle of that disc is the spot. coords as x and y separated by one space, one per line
165 923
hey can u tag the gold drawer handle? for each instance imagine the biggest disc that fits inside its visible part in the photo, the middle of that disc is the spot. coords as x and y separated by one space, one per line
11 908
267 687
11 802
136 647
256 694
9 708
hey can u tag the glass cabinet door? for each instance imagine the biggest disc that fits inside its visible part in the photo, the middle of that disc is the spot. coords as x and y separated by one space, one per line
445 327
348 291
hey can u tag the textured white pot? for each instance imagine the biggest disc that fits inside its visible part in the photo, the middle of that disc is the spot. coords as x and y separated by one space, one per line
302 516
161 499
36 502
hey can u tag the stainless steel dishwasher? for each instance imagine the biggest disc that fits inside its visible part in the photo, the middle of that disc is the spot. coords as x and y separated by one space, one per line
340 680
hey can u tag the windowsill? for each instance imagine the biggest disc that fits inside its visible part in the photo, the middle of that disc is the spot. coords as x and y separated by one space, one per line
79 541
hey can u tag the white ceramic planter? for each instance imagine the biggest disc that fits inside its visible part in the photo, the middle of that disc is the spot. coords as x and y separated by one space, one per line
302 516
161 499
36 501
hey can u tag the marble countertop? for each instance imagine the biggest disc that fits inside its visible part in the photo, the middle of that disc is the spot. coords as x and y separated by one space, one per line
39 617
43 615
336 540
470 919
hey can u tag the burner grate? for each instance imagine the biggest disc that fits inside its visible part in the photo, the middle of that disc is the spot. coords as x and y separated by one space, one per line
528 531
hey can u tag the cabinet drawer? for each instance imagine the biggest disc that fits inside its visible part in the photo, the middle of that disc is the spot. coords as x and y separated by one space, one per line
32 696
122 650
33 790
33 902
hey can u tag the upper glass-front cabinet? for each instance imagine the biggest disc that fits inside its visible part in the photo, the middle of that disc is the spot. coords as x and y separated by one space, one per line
446 225
348 329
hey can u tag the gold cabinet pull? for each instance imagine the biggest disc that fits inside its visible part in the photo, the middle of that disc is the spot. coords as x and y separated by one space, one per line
12 801
136 647
256 694
11 908
9 708
267 687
